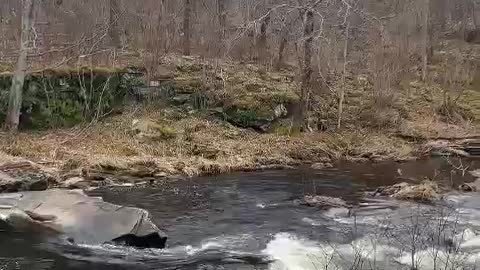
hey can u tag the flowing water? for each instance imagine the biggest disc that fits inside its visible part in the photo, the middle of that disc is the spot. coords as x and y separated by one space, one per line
250 221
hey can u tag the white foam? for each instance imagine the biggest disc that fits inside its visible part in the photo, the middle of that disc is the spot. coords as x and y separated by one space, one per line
367 248
265 205
311 221
292 253
261 205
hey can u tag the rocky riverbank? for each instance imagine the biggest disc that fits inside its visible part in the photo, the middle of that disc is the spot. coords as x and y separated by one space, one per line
113 153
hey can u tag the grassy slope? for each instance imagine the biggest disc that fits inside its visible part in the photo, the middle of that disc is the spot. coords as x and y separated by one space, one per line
201 143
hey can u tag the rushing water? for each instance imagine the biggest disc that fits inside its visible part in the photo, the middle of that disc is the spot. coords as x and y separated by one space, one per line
249 221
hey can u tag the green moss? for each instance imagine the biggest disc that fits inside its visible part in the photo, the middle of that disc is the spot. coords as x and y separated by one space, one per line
188 85
151 130
62 98
242 117
188 67
160 131
286 128
254 87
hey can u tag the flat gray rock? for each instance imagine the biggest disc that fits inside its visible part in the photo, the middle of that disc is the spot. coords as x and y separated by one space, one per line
80 218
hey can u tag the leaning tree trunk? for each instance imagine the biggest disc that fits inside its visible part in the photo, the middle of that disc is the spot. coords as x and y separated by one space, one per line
186 26
307 62
18 79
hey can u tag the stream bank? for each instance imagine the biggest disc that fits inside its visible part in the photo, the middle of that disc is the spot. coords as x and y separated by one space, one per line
94 125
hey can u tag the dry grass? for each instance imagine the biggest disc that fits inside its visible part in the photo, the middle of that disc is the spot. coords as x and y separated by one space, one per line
201 147
427 191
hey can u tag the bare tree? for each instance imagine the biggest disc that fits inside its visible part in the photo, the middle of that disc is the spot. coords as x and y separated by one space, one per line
344 72
307 60
18 79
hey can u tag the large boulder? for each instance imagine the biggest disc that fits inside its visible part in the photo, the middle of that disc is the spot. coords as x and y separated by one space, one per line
79 218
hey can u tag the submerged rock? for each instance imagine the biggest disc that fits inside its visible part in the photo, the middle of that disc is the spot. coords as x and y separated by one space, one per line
322 201
321 166
467 187
470 187
79 218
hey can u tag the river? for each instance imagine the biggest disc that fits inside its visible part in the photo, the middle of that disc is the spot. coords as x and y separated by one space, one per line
250 221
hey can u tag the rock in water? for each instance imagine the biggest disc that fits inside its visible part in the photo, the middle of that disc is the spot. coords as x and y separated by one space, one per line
321 166
322 201
80 218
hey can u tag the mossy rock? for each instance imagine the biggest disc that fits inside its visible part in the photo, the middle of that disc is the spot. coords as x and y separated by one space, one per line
188 67
248 118
188 85
152 130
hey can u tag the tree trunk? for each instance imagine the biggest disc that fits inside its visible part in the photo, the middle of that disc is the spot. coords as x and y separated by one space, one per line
343 88
262 40
187 26
222 19
476 16
281 51
307 62
426 36
113 29
18 79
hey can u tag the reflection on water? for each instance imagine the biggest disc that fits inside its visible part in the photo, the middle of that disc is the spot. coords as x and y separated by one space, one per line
249 221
